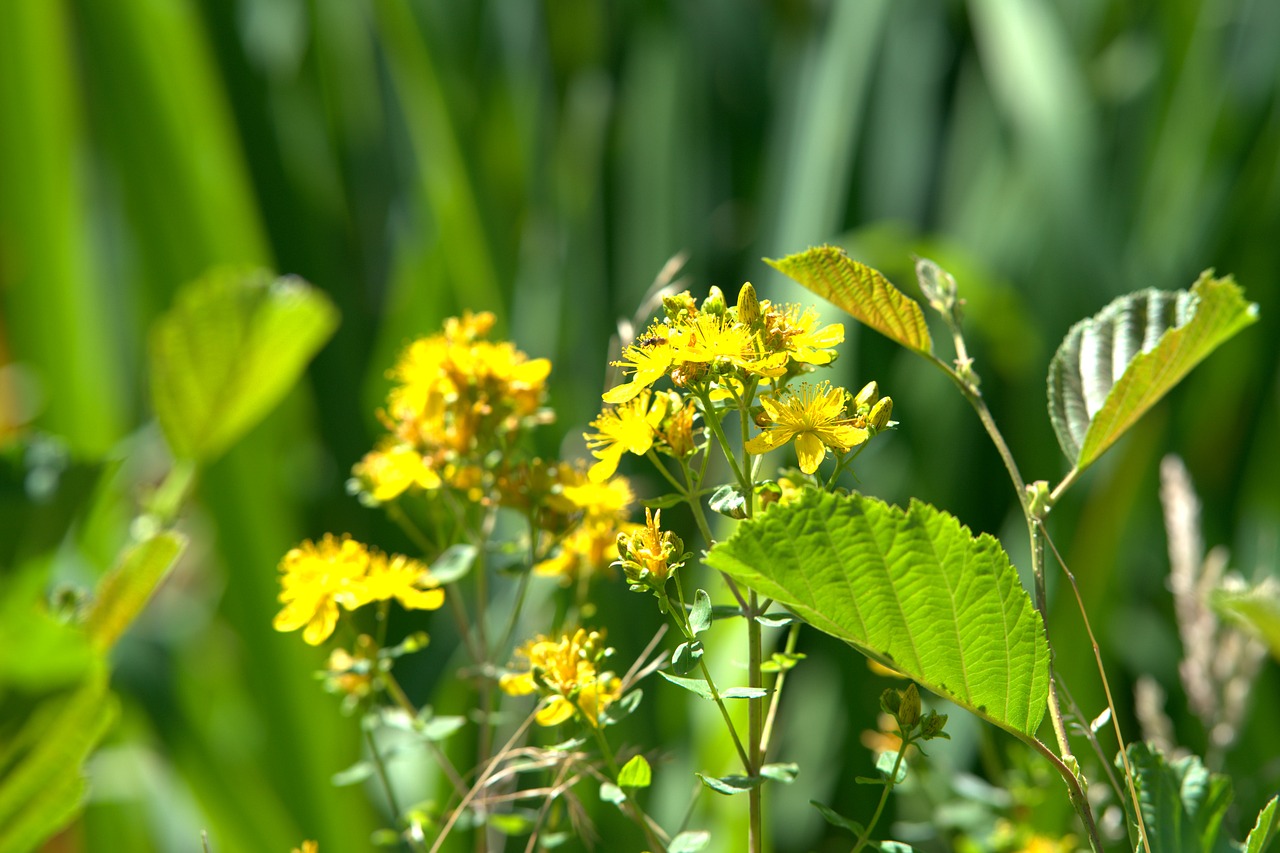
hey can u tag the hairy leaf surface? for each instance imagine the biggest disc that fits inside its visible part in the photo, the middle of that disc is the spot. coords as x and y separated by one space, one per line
1112 367
861 291
912 589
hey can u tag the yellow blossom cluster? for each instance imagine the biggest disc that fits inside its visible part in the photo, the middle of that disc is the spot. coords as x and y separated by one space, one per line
601 510
319 577
567 673
458 397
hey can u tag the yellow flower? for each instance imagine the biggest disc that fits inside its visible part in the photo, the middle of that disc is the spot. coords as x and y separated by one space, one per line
388 473
308 847
592 547
648 359
403 579
814 417
565 672
318 577
708 337
627 428
800 337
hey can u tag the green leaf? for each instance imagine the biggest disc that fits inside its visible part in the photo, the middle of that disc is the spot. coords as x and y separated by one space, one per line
1264 829
743 693
1257 609
730 785
624 707
685 658
1182 802
353 775
912 589
785 773
611 793
689 842
693 685
862 292
454 563
41 781
664 501
440 728
124 591
885 763
228 350
1111 368
729 502
636 773
511 823
834 818
700 613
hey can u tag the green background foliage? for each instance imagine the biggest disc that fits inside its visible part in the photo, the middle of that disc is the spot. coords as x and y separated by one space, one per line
544 160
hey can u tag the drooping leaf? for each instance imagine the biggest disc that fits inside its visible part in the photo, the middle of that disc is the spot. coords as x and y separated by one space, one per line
1257 609
862 292
124 591
1112 367
785 773
730 785
228 350
1182 802
912 589
1264 828
636 773
689 841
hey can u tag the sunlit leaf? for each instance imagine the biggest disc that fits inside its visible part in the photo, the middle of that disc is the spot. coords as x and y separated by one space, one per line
689 842
862 292
912 589
730 785
636 773
228 350
1111 368
1264 828
123 592
1256 609
700 614
785 773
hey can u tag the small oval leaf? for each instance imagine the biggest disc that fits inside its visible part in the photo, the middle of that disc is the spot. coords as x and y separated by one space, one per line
1112 367
636 773
862 292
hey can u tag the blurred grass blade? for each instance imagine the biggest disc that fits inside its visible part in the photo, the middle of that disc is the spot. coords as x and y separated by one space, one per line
227 352
1111 368
41 781
123 592
862 292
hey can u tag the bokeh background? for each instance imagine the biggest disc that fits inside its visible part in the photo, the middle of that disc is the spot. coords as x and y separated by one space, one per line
544 160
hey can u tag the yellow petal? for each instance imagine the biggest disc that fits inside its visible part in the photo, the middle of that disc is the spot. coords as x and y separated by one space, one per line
517 684
421 599
558 710
809 450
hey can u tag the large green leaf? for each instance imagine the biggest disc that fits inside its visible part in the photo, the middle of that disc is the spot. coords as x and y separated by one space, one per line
124 591
861 291
913 589
228 350
1182 802
1257 609
1111 368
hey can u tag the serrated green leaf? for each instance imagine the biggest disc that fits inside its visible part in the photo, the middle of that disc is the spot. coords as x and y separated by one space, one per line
1256 609
785 773
700 613
454 563
1112 367
636 773
1264 828
912 589
611 793
126 589
834 818
862 292
689 842
1182 802
730 785
228 350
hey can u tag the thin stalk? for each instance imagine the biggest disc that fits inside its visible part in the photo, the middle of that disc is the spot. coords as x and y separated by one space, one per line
778 682
755 723
380 769
884 798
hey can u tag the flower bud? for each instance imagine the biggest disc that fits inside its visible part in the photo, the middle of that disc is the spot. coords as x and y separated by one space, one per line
880 412
678 434
679 305
890 701
909 708
748 305
867 397
715 302
932 724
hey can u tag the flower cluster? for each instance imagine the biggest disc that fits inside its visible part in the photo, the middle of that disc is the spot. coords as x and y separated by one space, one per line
568 674
459 397
598 512
317 578
649 555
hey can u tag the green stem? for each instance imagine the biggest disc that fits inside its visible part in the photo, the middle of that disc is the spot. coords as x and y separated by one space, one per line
380 769
755 723
632 808
884 797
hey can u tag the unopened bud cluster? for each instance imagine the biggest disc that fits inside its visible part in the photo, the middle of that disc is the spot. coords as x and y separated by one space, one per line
904 706
649 555
872 411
